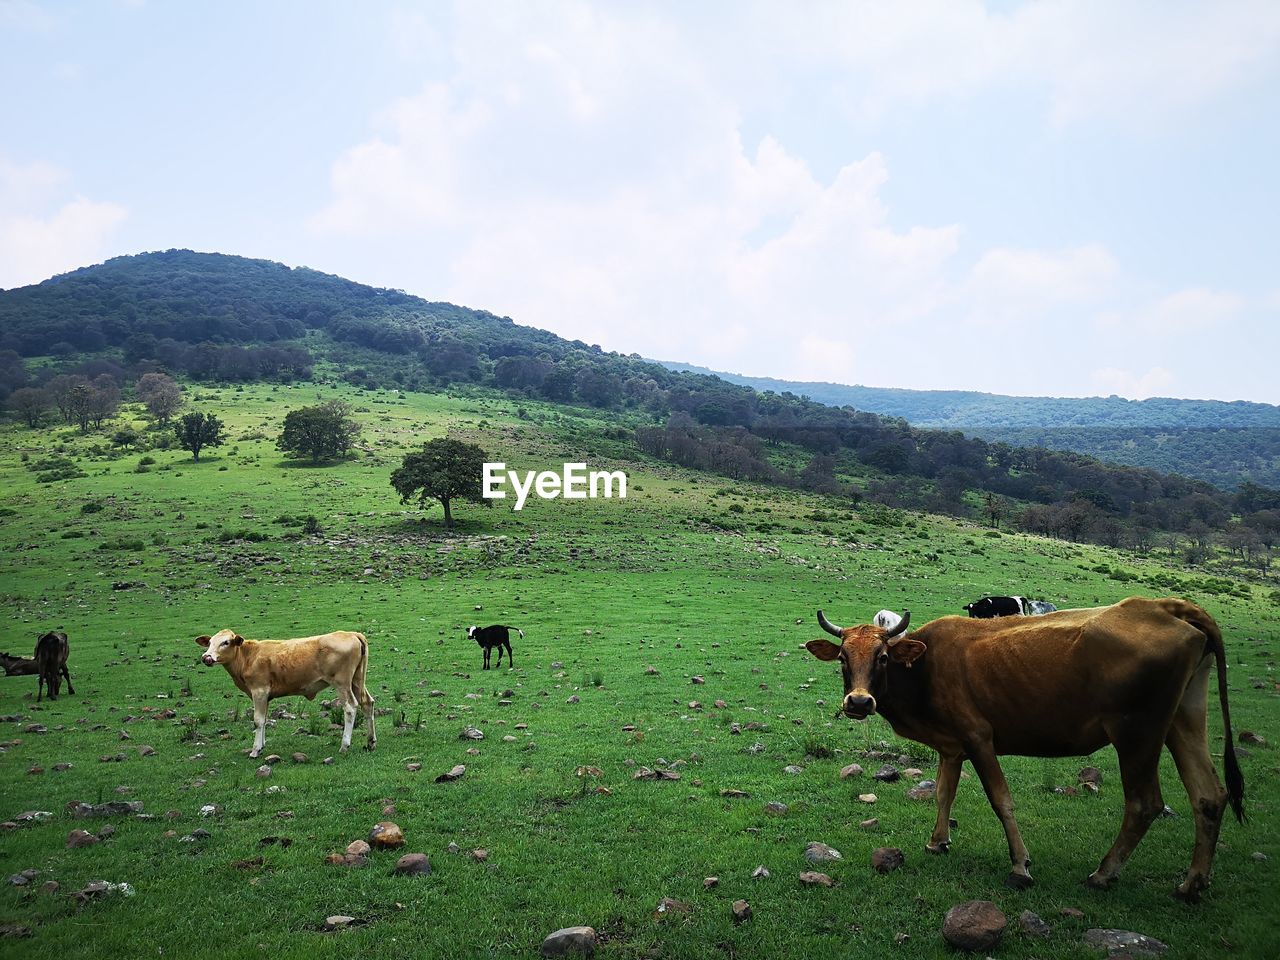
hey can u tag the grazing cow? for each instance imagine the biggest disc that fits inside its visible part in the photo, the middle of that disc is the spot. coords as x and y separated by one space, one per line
995 607
495 636
267 669
1038 608
1135 675
52 651
18 666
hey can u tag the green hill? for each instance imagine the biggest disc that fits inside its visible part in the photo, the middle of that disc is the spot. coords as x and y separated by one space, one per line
1224 443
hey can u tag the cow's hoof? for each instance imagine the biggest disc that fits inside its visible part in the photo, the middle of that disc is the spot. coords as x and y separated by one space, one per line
371 745
1188 893
344 748
1019 881
253 754
939 848
1096 881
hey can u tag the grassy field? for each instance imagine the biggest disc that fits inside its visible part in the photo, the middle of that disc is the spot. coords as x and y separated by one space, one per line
623 603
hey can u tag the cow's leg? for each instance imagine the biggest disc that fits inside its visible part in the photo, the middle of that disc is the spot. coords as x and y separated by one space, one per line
499 655
1140 775
348 717
40 686
70 689
984 760
511 660
367 702
487 651
261 700
1188 742
945 793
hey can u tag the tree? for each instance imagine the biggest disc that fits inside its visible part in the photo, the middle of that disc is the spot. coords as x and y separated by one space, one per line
161 395
324 432
104 399
31 404
198 430
442 470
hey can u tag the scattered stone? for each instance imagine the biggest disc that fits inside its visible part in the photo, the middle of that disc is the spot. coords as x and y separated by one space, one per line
338 922
760 872
887 774
264 770
61 767
35 771
1124 942
867 797
389 810
358 848
146 751
112 808
735 794
413 864
698 680
720 705
709 882
1251 738
900 937
811 878
792 769
912 772
211 810
816 852
106 832
868 824
479 854
668 906
571 940
413 767
977 925
1090 775
386 836
644 773
80 838
50 886
777 809
248 863
924 790
471 733
574 699
1259 856
887 859
33 816
852 770
298 758
1071 913
741 911
454 774
1033 925
14 930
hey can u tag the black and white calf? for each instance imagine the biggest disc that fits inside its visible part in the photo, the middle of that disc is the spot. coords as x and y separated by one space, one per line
995 607
498 636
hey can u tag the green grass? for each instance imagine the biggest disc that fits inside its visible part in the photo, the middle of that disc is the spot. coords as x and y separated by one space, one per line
672 578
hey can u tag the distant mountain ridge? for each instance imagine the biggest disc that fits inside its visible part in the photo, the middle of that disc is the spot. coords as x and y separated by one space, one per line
960 409
1226 443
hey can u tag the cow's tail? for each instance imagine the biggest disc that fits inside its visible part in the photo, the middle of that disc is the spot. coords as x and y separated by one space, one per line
357 679
1198 618
521 632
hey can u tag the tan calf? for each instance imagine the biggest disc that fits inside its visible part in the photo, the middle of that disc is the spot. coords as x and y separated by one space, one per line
267 669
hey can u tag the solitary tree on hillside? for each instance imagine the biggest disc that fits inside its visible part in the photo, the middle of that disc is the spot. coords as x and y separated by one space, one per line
324 432
197 430
442 470
30 404
161 395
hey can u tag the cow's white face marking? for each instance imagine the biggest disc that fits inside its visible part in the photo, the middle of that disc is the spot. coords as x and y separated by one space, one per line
219 648
471 632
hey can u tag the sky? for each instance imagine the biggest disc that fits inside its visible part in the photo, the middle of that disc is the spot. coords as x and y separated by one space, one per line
1049 198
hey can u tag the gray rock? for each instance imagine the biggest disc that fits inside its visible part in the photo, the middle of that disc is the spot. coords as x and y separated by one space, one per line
570 941
852 770
811 878
1090 775
816 852
777 809
741 911
977 925
1033 925
1123 942
887 774
924 790
413 864
338 922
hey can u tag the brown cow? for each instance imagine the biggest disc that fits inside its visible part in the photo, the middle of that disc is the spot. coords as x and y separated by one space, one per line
52 650
1135 675
267 669
18 666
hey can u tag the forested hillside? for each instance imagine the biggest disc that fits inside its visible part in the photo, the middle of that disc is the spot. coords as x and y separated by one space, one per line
217 318
1224 443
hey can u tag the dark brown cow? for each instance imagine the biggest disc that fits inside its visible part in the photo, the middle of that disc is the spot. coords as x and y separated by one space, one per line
1135 675
52 650
18 666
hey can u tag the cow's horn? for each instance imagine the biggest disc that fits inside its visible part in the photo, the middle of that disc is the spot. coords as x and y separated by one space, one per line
830 627
901 627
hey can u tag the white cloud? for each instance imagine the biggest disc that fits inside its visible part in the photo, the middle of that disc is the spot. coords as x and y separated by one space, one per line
1185 312
1018 286
1156 381
42 234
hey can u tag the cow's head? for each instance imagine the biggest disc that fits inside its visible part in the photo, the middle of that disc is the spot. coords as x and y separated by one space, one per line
865 654
221 647
471 632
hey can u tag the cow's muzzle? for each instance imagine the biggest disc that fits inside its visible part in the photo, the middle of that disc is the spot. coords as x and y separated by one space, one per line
859 706
208 659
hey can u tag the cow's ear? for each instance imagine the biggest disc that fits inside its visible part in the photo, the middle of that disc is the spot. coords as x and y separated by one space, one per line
907 651
823 649
237 640
203 641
